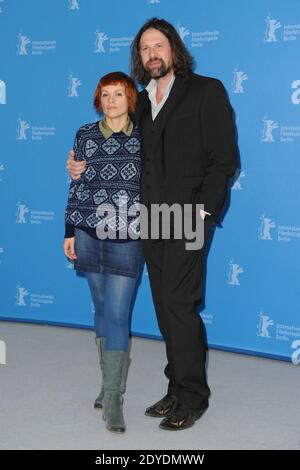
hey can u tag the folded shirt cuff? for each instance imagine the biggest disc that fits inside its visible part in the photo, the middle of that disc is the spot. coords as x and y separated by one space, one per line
204 213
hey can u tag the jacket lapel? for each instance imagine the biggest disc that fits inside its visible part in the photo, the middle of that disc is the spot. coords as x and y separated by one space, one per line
141 103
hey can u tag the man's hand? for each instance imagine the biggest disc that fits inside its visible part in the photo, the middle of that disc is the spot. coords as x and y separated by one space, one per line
69 248
75 169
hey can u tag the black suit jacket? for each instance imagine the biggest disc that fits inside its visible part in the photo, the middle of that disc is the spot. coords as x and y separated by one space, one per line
195 147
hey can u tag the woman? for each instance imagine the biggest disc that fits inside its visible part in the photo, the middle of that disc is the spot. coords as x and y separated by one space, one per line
102 238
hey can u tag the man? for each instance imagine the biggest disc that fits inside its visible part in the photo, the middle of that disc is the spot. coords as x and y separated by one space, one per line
188 154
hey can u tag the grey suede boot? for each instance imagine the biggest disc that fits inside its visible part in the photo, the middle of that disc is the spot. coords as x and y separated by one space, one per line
116 364
100 342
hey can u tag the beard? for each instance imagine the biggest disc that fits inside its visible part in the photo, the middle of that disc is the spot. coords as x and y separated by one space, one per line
159 71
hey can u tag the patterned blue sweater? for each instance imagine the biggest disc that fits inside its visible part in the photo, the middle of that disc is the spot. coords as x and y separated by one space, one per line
111 180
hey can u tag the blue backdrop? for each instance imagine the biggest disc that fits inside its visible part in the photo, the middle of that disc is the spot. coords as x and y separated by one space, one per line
52 54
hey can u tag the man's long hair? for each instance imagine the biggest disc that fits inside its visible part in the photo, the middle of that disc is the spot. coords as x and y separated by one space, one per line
183 62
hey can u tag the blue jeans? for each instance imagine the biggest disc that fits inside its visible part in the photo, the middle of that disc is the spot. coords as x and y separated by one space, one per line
113 271
113 297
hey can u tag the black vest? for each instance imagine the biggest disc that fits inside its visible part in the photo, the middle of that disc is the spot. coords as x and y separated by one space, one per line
152 177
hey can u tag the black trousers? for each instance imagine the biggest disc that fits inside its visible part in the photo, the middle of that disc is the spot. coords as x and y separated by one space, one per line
176 280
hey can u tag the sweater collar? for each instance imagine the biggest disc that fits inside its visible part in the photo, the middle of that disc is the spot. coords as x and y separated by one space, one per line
107 131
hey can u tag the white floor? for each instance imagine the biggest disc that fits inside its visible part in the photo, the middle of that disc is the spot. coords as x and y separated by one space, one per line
51 379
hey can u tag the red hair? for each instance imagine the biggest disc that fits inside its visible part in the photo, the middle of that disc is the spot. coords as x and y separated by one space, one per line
115 78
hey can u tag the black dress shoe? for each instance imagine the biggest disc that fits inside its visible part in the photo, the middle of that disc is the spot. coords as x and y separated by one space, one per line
182 417
163 407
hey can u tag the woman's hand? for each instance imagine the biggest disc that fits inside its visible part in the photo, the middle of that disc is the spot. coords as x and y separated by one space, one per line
75 168
69 248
